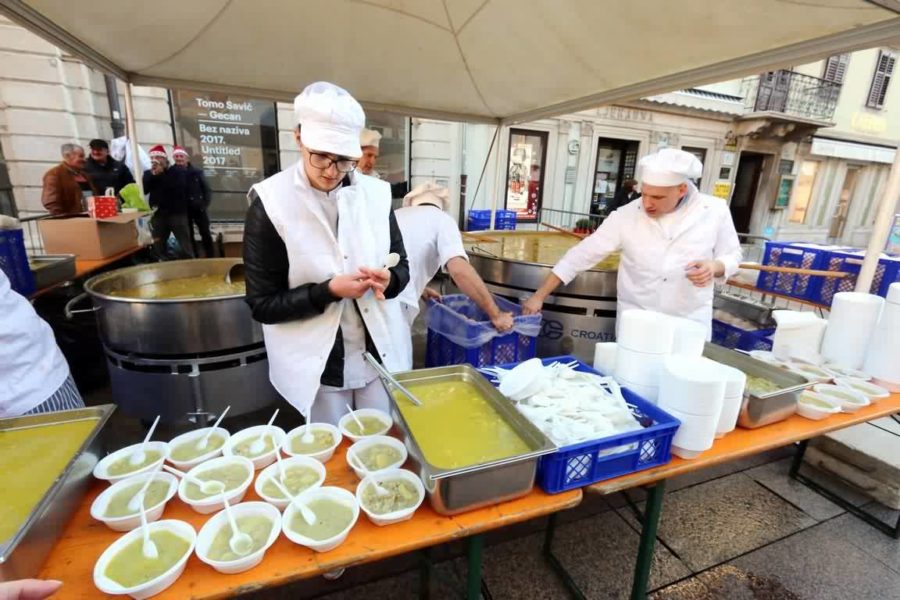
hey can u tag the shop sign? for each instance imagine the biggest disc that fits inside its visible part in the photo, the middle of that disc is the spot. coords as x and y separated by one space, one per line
722 189
621 113
852 151
868 123
785 187
893 242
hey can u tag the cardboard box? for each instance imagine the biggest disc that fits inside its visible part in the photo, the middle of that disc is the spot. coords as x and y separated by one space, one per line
87 238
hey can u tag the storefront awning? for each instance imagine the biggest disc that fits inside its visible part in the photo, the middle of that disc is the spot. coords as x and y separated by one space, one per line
473 60
852 150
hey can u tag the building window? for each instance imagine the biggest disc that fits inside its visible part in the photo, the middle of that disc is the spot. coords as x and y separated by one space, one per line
836 68
700 153
884 69
525 172
803 191
616 163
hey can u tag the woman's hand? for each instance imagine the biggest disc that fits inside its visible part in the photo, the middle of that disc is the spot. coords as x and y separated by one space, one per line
352 286
28 589
377 279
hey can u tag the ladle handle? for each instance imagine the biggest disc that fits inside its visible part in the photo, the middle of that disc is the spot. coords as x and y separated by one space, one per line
386 376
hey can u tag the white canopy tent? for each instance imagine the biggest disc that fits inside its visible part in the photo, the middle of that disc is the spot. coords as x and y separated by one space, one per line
494 61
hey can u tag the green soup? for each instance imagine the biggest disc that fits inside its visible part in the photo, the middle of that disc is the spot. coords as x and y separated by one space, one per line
231 475
379 456
118 504
371 426
123 466
296 479
256 526
243 448
401 494
332 518
189 451
129 567
322 440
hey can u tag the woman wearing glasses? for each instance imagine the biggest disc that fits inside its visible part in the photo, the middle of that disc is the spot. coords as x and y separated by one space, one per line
316 240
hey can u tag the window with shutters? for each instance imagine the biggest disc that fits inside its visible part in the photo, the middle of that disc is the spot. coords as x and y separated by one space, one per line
836 68
884 70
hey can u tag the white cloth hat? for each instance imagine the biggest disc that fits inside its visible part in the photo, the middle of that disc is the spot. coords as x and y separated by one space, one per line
669 167
428 193
330 119
369 137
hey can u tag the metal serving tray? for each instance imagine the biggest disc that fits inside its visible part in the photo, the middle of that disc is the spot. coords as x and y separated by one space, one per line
747 308
757 411
22 555
50 269
454 491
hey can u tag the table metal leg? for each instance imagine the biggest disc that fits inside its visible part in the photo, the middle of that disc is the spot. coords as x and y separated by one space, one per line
474 551
555 563
798 458
425 569
648 541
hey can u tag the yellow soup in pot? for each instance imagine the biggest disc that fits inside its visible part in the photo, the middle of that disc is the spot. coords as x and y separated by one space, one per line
130 567
201 286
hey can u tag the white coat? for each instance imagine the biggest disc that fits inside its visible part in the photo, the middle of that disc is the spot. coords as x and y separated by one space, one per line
298 350
654 256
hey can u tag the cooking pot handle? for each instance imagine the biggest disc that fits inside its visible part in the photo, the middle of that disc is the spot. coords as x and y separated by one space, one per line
68 309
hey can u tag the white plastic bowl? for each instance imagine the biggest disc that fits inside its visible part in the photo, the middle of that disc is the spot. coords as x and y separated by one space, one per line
366 443
195 436
812 373
845 372
263 460
154 586
217 522
767 357
101 469
272 471
873 392
849 399
98 507
817 413
214 503
323 456
334 493
366 412
391 475
524 380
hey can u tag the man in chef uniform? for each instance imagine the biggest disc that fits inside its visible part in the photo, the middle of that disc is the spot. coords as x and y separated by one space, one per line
317 239
370 142
433 241
674 243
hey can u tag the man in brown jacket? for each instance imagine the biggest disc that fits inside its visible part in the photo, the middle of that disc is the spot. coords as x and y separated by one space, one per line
66 184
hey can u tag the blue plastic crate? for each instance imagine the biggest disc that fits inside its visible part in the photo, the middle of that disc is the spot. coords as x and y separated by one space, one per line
790 254
581 464
14 261
886 273
729 336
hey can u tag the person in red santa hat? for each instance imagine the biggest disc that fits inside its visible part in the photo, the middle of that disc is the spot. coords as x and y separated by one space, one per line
199 196
167 189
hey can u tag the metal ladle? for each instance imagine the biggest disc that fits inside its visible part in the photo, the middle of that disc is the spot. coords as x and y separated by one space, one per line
235 273
388 379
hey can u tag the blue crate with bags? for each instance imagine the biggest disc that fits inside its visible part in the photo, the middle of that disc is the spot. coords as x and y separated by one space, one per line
459 332
584 463
797 256
14 261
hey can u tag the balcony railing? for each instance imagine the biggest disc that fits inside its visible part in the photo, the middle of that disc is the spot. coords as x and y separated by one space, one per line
791 93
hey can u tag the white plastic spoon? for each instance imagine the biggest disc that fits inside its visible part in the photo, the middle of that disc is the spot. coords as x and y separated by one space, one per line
210 487
239 542
306 512
307 437
379 490
280 465
139 456
138 499
148 548
392 260
203 443
259 445
355 418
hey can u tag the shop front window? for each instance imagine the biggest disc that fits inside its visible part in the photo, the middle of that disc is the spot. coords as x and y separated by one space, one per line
616 162
525 173
700 153
803 189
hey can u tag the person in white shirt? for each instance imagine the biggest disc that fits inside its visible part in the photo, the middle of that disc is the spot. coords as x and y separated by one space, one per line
674 242
369 141
34 375
432 240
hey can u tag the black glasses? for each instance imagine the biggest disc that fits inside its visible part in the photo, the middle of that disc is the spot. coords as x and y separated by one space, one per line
323 161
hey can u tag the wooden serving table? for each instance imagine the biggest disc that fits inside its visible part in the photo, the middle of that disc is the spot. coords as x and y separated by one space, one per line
84 540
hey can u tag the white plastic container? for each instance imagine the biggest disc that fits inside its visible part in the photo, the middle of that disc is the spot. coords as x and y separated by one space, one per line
796 332
265 459
382 416
605 356
645 331
811 411
323 456
366 443
851 322
692 385
272 471
850 400
650 393
638 367
101 469
847 373
690 337
219 520
391 475
333 493
873 392
524 380
214 503
195 436
882 354
695 434
101 502
735 382
156 585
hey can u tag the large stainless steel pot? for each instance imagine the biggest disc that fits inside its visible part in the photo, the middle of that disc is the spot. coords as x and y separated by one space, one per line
171 326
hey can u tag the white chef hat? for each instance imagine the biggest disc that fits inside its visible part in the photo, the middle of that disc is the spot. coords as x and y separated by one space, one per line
369 137
330 119
428 193
669 167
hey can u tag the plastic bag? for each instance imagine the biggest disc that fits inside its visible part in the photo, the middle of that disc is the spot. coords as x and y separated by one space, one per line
132 198
120 149
458 319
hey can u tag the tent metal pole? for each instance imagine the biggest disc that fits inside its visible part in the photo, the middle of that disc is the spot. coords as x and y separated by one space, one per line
132 137
884 218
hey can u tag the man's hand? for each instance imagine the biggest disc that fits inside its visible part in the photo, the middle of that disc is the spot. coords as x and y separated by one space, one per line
701 272
28 589
351 286
431 294
377 279
532 305
503 322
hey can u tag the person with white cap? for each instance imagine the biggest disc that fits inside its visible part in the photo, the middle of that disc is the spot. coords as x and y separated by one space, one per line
317 241
369 141
674 242
433 241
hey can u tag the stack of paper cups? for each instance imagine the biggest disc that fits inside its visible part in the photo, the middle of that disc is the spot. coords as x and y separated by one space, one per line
735 382
883 354
851 322
645 339
605 357
692 389
690 337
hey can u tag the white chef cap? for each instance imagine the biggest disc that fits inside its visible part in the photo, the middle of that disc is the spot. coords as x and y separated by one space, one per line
428 193
369 137
330 119
669 167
